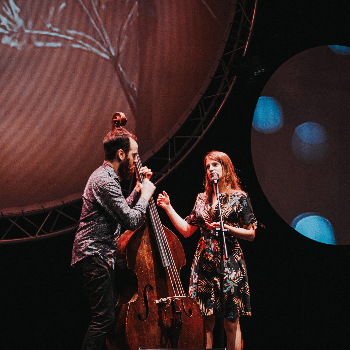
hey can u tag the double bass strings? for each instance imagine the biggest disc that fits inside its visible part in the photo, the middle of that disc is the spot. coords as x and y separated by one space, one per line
162 242
169 263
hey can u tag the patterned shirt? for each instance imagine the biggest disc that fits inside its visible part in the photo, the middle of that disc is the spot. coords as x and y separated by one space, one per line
104 211
236 210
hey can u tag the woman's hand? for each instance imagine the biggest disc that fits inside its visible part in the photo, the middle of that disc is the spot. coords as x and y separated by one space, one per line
163 200
247 233
211 226
180 224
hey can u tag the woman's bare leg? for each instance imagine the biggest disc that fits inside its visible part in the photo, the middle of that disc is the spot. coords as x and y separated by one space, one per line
233 334
209 323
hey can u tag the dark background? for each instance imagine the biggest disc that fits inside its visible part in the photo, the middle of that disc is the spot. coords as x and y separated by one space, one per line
299 287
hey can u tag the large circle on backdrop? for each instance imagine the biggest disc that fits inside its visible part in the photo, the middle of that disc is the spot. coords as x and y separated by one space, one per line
67 66
303 164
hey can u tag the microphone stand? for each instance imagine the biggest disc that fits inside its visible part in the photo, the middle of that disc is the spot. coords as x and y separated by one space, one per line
223 249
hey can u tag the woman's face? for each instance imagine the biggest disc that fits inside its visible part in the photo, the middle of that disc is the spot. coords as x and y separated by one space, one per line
211 166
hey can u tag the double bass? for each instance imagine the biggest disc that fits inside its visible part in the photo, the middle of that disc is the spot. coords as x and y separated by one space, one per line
155 311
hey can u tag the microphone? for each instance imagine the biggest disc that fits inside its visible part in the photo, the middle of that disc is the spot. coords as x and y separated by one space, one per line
214 177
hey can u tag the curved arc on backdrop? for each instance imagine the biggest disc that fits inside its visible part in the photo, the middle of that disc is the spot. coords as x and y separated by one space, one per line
174 151
37 222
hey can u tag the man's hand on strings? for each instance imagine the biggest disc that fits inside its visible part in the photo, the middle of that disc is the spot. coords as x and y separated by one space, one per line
147 174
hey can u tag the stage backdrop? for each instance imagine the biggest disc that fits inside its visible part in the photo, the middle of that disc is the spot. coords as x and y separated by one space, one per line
300 142
67 66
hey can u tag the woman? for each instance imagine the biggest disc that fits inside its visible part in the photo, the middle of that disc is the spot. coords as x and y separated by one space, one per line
240 222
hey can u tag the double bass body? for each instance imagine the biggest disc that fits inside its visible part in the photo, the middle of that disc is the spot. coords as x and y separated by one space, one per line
155 316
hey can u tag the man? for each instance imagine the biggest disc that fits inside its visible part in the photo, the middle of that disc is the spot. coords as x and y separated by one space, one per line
104 211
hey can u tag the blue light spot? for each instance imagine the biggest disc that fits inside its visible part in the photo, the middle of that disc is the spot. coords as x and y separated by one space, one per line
310 142
341 50
314 227
268 115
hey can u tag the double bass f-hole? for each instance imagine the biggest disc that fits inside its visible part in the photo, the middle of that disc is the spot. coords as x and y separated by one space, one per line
145 298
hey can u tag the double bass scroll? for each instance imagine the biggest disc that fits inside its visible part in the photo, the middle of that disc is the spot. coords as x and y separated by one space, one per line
159 314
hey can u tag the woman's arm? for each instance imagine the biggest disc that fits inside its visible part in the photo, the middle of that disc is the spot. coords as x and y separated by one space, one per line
239 232
180 224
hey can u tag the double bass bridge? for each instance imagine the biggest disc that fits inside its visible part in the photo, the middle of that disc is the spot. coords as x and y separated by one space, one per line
172 315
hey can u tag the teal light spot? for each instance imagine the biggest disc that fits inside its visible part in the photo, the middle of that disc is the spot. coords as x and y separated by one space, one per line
268 115
341 50
310 142
314 227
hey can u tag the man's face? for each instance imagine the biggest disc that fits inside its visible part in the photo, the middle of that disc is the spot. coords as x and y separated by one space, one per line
126 166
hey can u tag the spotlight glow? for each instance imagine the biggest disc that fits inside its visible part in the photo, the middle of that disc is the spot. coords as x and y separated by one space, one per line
341 50
310 142
314 227
268 115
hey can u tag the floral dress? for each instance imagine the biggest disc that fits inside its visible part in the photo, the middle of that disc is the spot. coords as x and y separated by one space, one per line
205 273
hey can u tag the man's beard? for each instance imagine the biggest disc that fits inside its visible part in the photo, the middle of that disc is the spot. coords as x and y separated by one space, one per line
126 169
